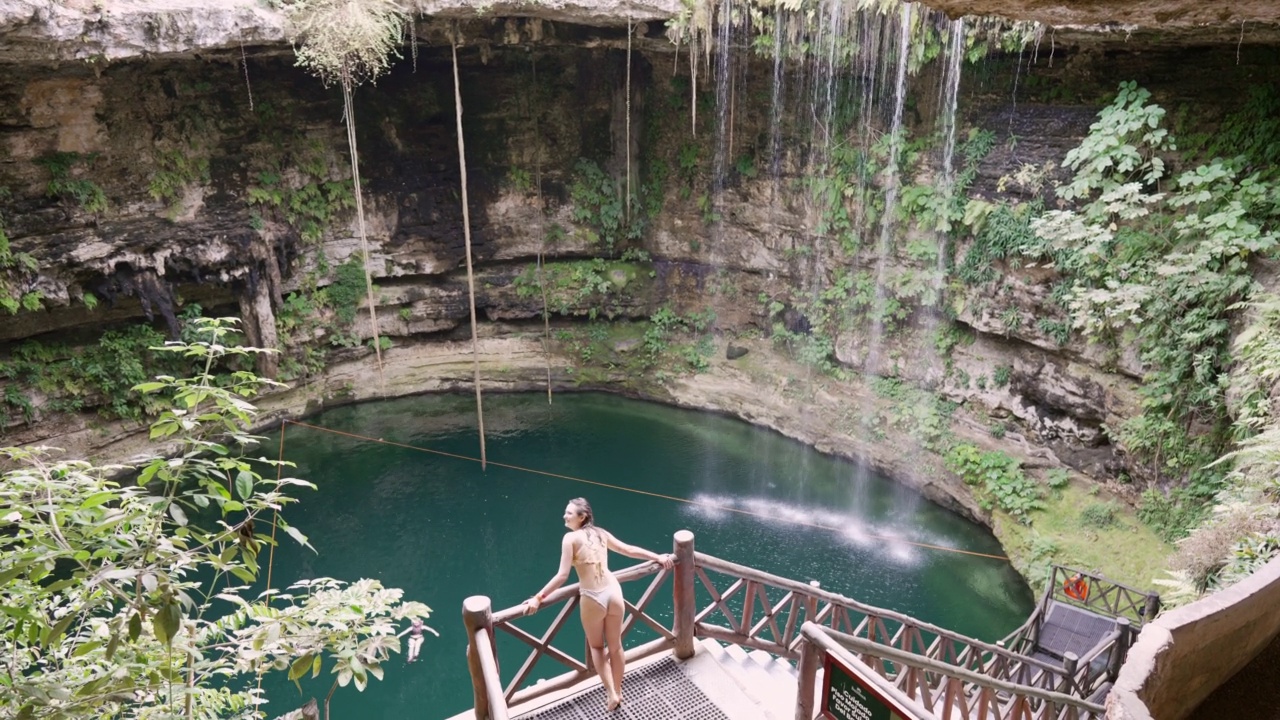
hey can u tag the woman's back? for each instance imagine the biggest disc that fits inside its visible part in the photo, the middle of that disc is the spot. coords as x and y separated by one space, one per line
591 557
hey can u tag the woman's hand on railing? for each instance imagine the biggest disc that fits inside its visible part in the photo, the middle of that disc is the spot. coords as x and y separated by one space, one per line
667 561
531 605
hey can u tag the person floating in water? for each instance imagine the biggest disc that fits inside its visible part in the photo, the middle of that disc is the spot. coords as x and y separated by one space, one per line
416 637
586 548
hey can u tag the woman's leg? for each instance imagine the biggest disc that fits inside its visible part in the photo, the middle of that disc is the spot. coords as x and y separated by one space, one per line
613 637
593 623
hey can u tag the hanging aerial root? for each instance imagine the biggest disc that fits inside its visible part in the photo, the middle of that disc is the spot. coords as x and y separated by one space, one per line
466 234
542 231
364 239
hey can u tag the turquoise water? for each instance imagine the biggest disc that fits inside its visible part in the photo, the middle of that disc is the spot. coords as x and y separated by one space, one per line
442 529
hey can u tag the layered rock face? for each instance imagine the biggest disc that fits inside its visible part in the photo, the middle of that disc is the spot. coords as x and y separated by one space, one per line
222 179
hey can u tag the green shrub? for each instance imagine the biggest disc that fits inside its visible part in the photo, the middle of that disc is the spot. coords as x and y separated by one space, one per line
1171 515
999 477
1099 515
1000 377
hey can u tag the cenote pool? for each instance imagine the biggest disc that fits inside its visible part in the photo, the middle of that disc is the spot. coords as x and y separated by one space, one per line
442 529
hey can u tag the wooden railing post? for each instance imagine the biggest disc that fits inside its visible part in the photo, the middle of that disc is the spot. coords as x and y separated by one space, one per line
806 683
1151 609
1070 661
685 601
1120 649
477 614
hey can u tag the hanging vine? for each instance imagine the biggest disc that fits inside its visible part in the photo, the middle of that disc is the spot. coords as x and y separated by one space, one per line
542 232
466 234
349 42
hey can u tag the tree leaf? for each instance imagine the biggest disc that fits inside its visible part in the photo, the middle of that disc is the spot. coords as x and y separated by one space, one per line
244 484
166 622
296 534
179 515
97 499
58 628
301 666
85 648
135 627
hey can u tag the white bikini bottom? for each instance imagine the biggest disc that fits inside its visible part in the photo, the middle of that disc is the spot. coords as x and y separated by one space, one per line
602 596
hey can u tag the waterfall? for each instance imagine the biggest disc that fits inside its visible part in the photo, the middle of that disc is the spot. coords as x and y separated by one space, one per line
950 95
775 113
893 181
724 36
951 91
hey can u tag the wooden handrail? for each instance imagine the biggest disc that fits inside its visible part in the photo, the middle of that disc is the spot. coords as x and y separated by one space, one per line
836 603
625 575
753 615
844 646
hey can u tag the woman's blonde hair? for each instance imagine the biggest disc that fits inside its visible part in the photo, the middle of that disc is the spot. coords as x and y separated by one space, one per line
584 508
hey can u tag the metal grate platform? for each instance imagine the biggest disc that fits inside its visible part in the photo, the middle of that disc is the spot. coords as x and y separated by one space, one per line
660 691
1070 629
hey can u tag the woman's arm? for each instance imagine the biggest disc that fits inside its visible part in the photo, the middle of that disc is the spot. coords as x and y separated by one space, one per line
566 562
639 553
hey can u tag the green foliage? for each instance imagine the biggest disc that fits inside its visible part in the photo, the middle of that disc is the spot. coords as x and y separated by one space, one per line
845 196
948 336
1165 269
17 273
100 375
346 41
62 184
1000 479
347 290
310 207
136 599
1248 555
1171 515
923 415
175 170
1123 146
1058 331
595 286
1000 376
1250 133
664 326
1057 479
1099 514
598 203
1003 235
519 180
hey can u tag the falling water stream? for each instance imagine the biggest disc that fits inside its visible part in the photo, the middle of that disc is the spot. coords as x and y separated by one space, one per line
893 182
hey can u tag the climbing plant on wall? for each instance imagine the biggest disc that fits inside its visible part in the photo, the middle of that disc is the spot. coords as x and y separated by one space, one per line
1162 259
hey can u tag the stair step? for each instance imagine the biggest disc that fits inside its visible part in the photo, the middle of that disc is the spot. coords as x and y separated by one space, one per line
737 653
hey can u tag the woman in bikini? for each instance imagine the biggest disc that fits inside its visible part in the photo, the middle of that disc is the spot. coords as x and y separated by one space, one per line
586 548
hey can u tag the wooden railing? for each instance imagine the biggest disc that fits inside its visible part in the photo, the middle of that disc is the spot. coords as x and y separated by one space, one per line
945 691
1103 597
724 601
769 610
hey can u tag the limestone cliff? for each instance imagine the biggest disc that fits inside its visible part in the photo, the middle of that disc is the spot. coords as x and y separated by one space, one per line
221 174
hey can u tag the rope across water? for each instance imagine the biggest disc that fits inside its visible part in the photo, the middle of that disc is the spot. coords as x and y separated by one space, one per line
597 483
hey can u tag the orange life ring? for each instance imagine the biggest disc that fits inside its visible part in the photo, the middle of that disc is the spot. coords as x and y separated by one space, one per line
1075 588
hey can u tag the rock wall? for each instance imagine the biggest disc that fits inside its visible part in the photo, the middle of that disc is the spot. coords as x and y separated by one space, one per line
223 178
